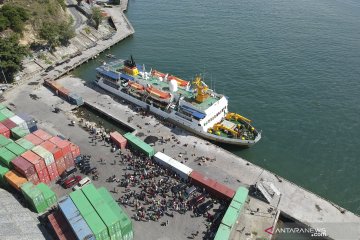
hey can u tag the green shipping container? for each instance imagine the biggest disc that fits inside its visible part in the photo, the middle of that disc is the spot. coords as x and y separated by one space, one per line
34 197
241 195
2 106
6 156
7 112
91 217
230 217
3 171
19 132
101 207
4 141
125 222
2 117
139 144
25 143
49 195
223 233
15 148
236 205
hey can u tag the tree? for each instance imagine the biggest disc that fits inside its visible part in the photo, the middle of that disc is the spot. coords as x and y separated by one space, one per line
66 31
49 32
97 16
4 22
11 55
16 17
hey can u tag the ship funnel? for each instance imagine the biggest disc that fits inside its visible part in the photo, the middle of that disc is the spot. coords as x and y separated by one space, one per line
173 86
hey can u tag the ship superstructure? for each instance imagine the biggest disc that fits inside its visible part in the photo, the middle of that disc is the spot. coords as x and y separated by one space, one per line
189 104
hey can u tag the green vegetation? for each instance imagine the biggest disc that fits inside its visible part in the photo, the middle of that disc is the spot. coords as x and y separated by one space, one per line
13 17
11 54
57 33
97 16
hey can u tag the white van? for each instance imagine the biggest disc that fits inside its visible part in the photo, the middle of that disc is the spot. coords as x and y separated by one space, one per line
83 182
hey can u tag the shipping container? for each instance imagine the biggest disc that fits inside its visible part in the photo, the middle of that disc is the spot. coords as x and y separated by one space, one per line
180 169
62 144
236 205
42 134
241 195
35 160
8 123
15 148
69 161
230 217
75 99
33 179
30 121
3 171
7 113
60 165
19 132
4 131
52 170
6 156
64 93
15 179
2 106
44 176
49 195
34 197
109 218
118 139
52 85
61 228
74 218
25 143
75 150
45 154
51 147
223 233
19 121
4 141
216 189
2 117
125 222
23 166
33 139
91 217
140 145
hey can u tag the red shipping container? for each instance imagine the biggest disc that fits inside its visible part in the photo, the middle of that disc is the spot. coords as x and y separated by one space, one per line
51 147
213 187
69 160
75 150
42 134
9 124
24 167
61 226
60 165
33 139
34 159
44 176
62 144
52 170
34 179
4 130
118 139
63 92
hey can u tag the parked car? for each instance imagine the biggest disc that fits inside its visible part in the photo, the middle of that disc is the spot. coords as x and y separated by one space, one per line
71 181
178 188
82 183
68 171
190 191
203 208
197 200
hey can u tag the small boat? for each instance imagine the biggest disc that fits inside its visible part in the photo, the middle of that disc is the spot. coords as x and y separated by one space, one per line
110 55
160 95
136 86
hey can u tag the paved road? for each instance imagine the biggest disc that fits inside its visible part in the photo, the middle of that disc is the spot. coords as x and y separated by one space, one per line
78 19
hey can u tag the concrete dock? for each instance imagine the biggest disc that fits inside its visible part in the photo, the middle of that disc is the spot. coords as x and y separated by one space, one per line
295 202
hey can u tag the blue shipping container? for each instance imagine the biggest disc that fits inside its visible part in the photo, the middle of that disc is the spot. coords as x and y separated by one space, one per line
74 218
30 121
76 99
33 129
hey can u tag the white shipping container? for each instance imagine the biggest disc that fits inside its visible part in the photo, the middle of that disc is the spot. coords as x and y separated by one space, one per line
19 121
45 154
180 169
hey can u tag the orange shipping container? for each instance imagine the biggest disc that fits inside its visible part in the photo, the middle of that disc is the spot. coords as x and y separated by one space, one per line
15 179
118 139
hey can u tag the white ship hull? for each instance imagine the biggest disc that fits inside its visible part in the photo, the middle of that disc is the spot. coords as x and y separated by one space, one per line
173 118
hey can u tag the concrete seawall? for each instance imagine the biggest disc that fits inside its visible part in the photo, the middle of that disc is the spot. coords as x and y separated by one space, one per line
295 201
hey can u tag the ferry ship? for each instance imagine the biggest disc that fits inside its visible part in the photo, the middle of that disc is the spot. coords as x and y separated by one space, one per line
191 105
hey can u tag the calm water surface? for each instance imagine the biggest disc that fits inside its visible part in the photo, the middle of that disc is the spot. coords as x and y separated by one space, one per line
291 66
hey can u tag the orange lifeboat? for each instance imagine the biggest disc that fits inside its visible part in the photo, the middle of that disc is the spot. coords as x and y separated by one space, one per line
181 82
158 74
158 94
136 86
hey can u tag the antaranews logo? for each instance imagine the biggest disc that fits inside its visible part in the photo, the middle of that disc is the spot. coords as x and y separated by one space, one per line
313 232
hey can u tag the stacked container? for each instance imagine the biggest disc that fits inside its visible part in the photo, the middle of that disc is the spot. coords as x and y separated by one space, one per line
27 145
111 221
57 154
39 165
74 218
6 156
9 124
61 227
49 195
4 131
7 113
75 150
19 132
89 214
2 117
26 169
42 134
15 148
3 171
33 139
30 122
49 161
34 197
66 150
19 121
15 179
4 141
